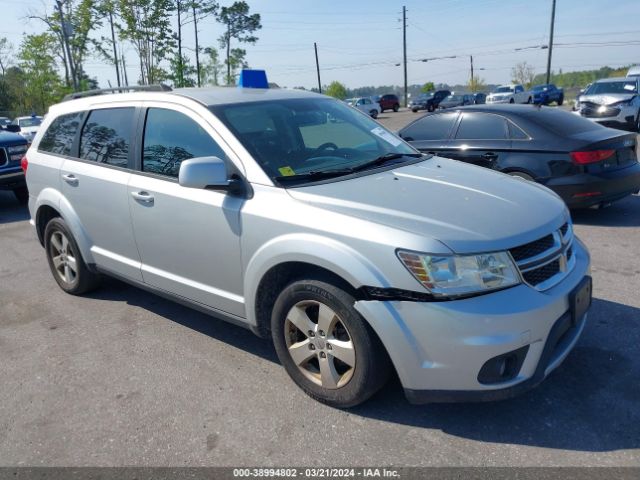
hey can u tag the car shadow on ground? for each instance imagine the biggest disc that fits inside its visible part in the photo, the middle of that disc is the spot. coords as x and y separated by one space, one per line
625 213
588 404
10 210
241 338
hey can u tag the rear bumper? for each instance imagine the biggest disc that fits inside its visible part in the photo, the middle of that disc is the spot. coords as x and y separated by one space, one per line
586 190
12 179
440 349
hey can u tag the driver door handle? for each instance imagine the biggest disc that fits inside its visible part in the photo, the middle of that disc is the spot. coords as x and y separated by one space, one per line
490 156
142 196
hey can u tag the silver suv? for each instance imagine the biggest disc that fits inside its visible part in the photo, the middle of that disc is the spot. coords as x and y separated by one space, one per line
304 220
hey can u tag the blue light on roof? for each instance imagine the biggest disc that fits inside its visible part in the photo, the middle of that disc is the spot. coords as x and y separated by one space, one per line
253 79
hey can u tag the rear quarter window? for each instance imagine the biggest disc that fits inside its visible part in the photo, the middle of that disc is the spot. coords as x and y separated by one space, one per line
60 135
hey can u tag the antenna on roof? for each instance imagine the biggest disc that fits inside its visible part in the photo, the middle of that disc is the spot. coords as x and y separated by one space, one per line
103 91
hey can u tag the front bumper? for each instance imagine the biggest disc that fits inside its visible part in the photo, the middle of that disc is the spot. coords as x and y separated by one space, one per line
624 120
439 348
498 100
12 178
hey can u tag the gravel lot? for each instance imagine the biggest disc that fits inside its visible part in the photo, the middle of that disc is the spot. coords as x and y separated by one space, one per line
122 377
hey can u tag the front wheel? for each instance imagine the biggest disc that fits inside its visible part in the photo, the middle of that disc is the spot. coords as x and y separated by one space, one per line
522 175
65 261
512 101
560 101
396 107
374 113
325 346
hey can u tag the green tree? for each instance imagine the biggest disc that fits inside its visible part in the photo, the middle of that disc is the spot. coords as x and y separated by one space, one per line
201 9
147 25
239 26
476 84
212 68
182 73
41 84
336 90
81 17
523 73
428 87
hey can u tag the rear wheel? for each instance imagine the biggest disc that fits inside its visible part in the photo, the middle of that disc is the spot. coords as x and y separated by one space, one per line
512 101
396 107
66 263
529 100
430 107
22 195
561 100
374 113
325 346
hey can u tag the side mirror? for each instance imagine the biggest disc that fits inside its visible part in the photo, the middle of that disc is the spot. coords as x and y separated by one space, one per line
204 172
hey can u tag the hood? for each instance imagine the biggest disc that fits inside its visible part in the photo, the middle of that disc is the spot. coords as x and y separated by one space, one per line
10 137
468 208
607 98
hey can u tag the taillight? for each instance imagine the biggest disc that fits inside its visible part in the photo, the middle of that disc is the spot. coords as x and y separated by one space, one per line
591 156
24 163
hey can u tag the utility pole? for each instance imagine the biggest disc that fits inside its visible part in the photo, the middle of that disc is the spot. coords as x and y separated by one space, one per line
553 19
124 71
195 27
180 66
65 38
473 87
315 47
115 50
404 53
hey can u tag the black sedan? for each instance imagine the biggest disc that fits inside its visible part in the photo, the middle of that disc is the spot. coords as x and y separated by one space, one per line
585 163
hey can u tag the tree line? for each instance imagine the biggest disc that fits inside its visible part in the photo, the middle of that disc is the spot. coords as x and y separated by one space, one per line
44 67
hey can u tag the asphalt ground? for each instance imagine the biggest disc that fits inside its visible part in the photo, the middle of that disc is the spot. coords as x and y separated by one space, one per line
122 377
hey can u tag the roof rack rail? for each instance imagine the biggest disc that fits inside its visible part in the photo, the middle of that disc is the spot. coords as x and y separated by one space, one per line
133 88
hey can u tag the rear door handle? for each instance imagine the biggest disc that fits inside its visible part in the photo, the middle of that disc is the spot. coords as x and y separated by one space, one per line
70 179
142 196
490 156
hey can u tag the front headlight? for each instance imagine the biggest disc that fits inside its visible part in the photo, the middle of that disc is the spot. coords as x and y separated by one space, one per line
455 275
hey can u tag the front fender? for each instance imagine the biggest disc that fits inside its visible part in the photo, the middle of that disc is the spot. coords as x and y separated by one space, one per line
326 253
53 198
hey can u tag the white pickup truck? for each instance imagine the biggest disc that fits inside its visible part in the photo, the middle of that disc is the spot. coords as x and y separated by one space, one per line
510 94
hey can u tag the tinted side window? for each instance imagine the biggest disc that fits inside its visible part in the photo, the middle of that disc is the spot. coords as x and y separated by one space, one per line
106 136
481 126
60 135
431 127
171 137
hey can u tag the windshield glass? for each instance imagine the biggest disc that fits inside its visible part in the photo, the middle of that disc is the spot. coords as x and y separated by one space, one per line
503 90
613 87
298 136
539 88
29 122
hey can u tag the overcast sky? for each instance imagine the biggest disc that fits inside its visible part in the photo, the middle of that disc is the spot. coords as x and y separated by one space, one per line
360 41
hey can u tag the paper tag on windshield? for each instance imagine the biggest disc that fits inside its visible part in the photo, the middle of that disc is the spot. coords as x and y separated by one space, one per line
386 136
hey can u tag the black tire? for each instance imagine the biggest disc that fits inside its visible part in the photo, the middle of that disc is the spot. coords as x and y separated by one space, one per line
22 195
371 365
396 107
512 101
561 101
374 114
83 280
414 110
529 100
431 107
638 123
381 110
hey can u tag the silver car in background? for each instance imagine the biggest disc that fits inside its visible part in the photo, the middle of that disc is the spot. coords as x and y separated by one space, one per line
612 102
304 220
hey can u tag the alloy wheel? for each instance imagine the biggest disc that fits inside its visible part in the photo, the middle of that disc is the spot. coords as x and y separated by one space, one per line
320 344
63 257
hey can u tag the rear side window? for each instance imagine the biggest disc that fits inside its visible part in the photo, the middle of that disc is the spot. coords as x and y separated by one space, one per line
106 136
560 122
171 137
481 126
431 127
60 135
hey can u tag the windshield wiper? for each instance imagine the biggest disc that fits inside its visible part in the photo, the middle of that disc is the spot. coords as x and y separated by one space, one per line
316 174
384 159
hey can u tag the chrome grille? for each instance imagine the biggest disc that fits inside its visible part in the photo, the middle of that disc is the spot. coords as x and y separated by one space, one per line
545 262
592 110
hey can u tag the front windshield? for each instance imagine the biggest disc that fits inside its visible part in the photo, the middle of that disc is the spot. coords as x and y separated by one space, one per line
29 122
612 87
503 90
299 136
539 88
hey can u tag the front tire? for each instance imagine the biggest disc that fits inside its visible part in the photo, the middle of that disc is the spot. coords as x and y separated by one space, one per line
325 346
65 261
374 114
512 101
396 107
522 175
560 101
